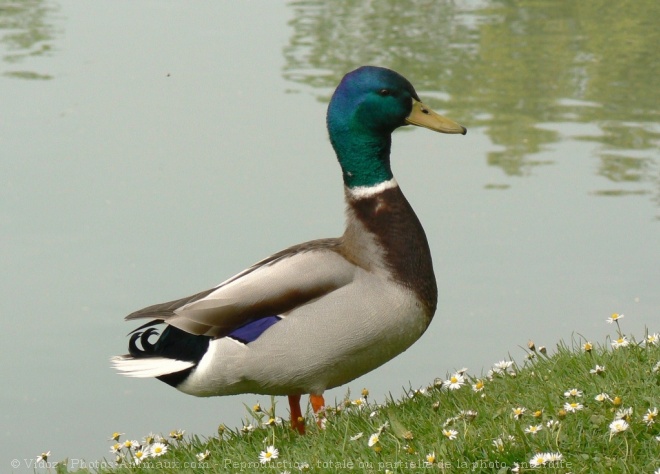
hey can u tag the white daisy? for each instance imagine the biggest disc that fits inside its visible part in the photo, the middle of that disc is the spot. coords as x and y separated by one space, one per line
449 421
43 457
599 369
249 428
455 382
553 457
653 339
268 455
203 456
620 342
139 456
601 397
373 439
533 429
131 444
157 449
552 424
277 421
418 393
539 459
650 416
618 426
573 407
518 412
614 317
574 392
430 457
360 402
478 386
501 366
357 436
624 414
177 434
451 434
499 444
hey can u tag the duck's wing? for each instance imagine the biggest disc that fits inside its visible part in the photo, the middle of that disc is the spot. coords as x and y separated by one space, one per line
271 287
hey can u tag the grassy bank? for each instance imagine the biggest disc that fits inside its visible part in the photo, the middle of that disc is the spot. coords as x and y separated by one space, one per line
581 407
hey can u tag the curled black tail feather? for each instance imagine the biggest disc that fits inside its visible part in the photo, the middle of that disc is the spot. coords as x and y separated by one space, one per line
173 343
148 349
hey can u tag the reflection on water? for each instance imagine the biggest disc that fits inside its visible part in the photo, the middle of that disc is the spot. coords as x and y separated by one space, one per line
25 31
518 69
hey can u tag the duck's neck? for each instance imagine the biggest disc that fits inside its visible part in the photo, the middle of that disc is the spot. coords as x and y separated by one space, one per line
364 155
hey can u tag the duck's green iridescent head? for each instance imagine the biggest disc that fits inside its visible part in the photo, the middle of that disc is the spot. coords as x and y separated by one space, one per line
368 105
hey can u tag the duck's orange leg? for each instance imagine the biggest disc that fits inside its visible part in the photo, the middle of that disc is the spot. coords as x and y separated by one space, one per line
297 420
318 403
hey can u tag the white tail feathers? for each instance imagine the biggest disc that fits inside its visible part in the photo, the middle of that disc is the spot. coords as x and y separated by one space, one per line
148 366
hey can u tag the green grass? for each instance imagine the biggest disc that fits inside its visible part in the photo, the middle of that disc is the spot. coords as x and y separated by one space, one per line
416 424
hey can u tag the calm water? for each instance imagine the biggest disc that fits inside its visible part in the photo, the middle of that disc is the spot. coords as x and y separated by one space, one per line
149 150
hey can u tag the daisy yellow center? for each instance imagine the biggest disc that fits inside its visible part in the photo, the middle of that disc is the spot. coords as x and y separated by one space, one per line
158 449
268 454
453 379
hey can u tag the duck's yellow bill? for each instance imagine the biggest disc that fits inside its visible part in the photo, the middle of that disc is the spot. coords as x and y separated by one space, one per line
423 116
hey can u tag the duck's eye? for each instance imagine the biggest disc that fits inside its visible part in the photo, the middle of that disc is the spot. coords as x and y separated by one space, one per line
384 92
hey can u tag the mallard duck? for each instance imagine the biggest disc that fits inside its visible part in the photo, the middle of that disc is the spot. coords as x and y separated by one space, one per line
319 314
